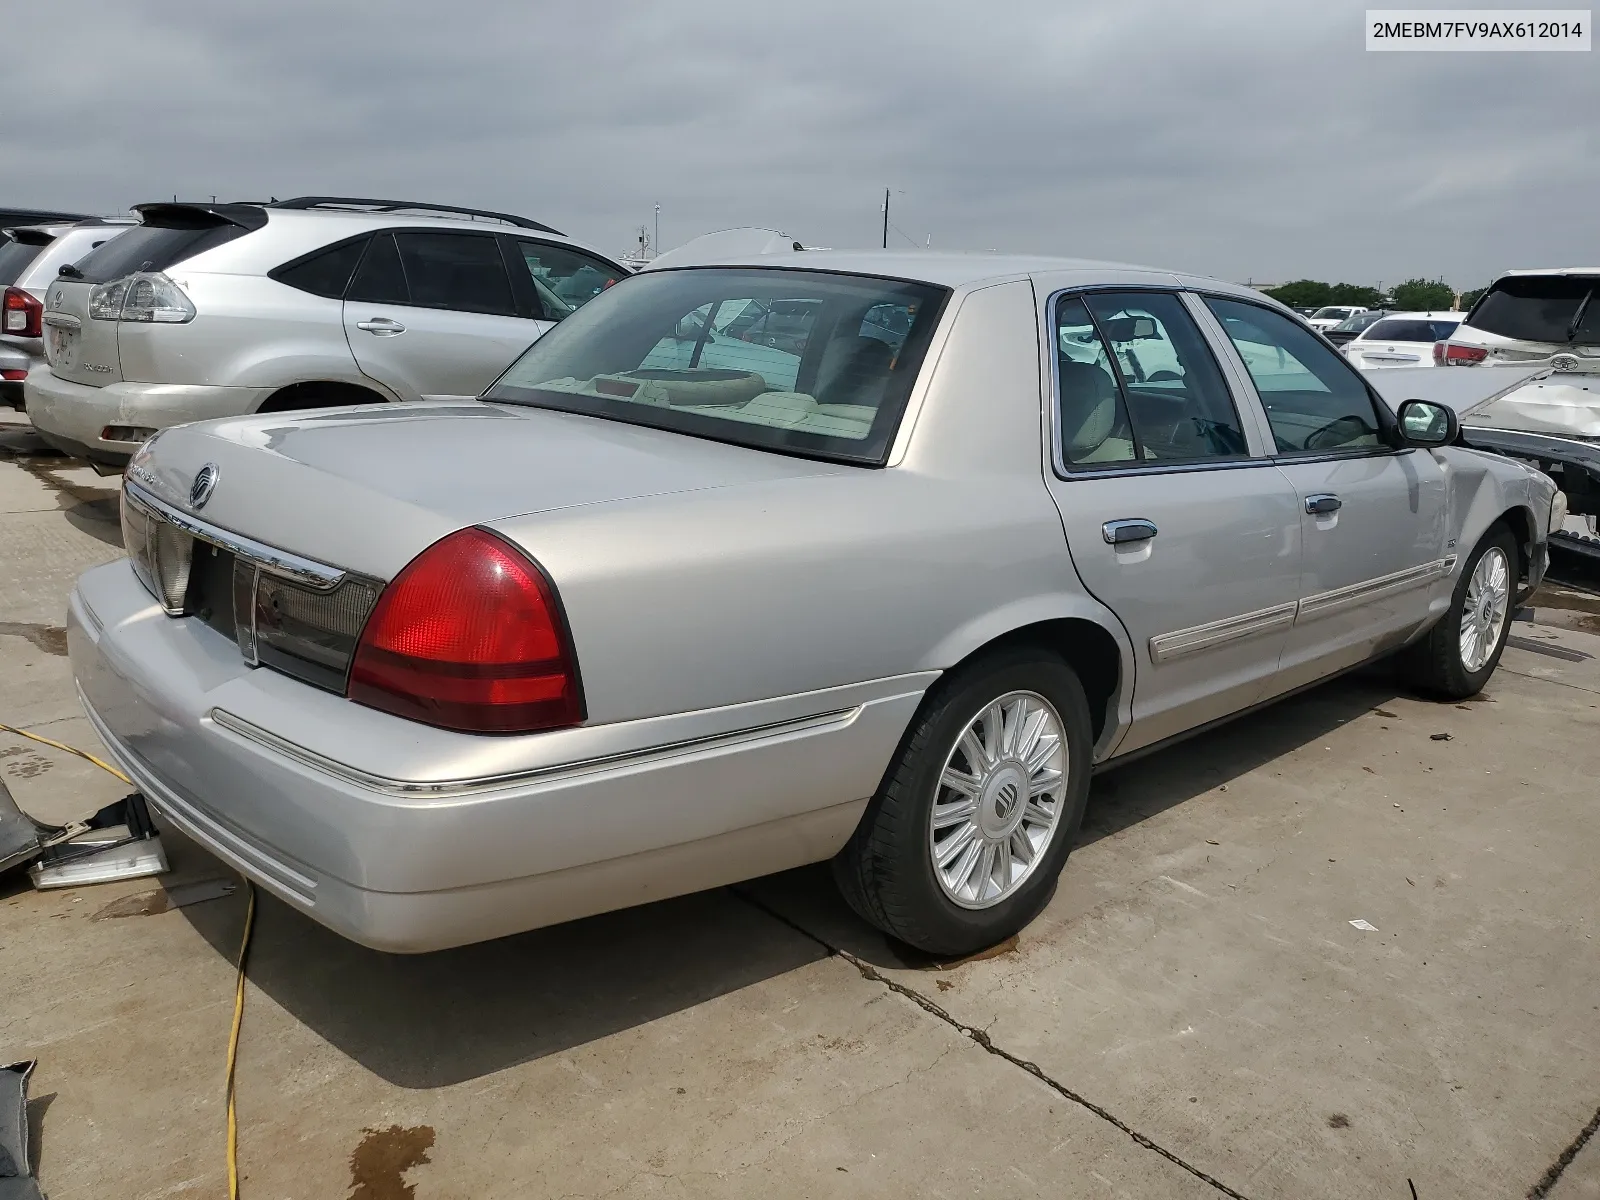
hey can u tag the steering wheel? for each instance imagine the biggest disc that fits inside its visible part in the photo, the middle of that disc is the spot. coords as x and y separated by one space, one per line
1337 434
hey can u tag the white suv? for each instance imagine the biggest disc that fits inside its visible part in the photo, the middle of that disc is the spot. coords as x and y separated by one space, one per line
213 310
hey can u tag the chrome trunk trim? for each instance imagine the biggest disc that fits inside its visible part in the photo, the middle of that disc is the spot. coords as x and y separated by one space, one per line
312 574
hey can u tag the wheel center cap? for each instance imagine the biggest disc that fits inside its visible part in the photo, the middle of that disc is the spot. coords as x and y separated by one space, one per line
1005 795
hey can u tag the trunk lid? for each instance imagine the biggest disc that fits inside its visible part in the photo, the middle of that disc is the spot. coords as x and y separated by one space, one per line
78 348
366 489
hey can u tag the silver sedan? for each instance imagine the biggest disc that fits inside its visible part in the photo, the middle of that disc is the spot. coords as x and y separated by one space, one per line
828 555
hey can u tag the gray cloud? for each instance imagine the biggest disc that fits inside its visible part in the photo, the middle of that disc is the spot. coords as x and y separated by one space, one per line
1256 139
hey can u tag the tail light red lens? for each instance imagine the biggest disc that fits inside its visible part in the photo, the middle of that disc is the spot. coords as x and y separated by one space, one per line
21 314
469 636
1448 354
14 374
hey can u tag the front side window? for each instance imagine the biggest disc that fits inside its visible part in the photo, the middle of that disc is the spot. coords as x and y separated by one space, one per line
681 350
1315 401
1137 383
565 279
460 271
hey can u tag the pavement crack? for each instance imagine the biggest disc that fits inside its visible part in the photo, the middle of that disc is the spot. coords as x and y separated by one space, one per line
1552 1176
982 1038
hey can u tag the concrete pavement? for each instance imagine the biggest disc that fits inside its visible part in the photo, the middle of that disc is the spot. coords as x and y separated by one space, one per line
1194 1015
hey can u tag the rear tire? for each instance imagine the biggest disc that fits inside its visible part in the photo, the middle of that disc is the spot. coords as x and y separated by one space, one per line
1457 656
1007 737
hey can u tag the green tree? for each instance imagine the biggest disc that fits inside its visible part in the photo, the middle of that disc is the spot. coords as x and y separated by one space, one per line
1424 295
1302 293
1355 294
1468 299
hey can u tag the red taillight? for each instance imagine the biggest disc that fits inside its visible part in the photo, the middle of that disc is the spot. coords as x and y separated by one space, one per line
13 374
1448 354
20 314
469 636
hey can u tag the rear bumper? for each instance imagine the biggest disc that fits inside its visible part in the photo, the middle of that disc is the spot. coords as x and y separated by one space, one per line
407 865
71 416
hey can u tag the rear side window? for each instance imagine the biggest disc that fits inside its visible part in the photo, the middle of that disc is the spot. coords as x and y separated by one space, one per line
460 271
1541 308
325 273
1315 401
1400 330
1137 383
380 278
152 248
14 259
564 279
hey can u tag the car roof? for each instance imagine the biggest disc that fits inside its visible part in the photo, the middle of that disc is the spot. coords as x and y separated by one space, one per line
1436 315
964 270
1550 271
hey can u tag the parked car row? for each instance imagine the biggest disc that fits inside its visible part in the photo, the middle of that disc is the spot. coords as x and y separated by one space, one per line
213 310
782 558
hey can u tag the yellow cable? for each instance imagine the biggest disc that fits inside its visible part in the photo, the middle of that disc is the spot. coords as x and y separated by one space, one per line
238 990
34 737
233 1042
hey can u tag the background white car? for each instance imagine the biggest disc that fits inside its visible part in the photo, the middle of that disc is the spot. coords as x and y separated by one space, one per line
1401 340
1330 315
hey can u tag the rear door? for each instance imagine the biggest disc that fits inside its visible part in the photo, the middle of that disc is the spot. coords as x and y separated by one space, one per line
433 313
1373 518
1175 516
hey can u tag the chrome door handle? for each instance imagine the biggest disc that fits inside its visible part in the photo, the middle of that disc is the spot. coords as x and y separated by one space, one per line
1135 529
1323 503
381 326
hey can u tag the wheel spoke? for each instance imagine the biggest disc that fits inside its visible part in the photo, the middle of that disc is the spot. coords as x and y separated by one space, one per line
977 757
1022 846
952 847
960 781
1043 782
983 875
957 811
1032 731
1042 753
1002 856
1038 814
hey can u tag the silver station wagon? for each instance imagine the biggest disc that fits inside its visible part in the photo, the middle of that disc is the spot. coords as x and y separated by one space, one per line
828 555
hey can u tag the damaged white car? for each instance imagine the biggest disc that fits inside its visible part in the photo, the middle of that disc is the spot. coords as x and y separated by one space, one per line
1546 322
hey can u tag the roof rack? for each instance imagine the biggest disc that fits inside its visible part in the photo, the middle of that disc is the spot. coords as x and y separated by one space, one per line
356 204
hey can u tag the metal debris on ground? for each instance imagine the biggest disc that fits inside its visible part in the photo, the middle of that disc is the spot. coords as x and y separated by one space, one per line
16 1171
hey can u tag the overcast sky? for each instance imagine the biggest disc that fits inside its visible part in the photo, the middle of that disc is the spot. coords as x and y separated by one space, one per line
1250 139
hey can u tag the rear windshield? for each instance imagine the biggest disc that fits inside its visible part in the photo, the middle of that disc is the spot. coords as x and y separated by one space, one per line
14 259
1401 329
1357 323
151 248
1540 308
1330 314
804 362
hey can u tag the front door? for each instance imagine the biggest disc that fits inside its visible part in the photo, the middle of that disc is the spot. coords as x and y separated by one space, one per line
1373 518
434 314
1175 516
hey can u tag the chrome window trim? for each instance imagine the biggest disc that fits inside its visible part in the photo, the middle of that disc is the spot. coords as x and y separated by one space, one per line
1195 638
388 785
1259 452
315 575
1324 604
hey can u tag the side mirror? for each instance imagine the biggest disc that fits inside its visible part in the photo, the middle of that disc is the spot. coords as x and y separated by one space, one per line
1423 423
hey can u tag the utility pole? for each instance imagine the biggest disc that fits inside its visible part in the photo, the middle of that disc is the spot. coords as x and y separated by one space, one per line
657 242
885 218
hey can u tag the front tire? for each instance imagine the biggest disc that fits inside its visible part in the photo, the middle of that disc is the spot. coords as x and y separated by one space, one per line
1458 655
963 842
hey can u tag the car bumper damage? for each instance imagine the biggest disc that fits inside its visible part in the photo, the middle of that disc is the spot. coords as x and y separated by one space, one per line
359 835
